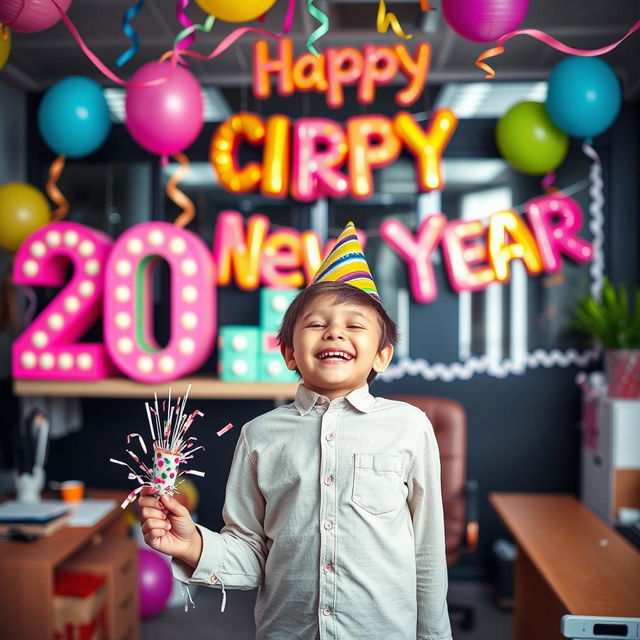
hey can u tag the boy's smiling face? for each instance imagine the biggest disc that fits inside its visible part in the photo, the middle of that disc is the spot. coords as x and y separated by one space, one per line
335 346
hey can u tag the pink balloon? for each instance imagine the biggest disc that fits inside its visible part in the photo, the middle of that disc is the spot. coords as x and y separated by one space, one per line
29 16
164 118
484 20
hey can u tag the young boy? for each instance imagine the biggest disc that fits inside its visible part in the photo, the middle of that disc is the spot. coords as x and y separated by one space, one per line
333 506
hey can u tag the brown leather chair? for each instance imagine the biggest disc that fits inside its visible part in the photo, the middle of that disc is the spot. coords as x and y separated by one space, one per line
459 494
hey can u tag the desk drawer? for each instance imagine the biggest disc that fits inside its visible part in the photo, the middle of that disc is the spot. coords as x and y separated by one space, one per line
125 622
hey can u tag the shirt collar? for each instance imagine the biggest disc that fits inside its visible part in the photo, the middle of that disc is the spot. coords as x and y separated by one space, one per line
359 398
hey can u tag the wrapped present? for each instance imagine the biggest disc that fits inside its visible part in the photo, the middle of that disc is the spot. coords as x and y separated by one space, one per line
79 607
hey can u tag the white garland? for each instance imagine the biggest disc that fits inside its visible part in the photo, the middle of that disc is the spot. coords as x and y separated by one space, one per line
539 357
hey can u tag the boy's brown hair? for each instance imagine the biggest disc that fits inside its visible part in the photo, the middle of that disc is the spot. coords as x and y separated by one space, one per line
343 293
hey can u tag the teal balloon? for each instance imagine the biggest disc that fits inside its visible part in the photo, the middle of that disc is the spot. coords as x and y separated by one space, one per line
584 96
73 117
529 141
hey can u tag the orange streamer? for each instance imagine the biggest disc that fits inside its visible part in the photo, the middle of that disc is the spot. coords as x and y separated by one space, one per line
489 53
54 193
177 196
387 19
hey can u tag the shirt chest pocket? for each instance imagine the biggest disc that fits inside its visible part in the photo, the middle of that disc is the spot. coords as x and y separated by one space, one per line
377 482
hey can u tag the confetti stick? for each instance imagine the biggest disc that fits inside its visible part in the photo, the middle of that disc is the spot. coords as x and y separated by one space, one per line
172 447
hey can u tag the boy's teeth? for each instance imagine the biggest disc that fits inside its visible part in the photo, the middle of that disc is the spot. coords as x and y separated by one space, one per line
338 354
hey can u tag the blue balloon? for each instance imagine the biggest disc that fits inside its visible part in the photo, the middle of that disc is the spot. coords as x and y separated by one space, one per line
584 96
73 117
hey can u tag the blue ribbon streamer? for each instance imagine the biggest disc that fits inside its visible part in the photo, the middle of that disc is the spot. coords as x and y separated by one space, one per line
130 32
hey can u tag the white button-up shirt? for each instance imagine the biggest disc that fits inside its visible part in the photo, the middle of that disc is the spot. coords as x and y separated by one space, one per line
333 511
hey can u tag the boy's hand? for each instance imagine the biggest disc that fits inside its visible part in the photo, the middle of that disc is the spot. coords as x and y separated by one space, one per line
167 527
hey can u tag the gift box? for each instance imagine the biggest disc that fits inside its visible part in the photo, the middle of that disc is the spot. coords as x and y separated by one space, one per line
79 607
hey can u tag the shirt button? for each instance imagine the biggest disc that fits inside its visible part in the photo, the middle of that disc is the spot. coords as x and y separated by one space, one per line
328 568
329 437
328 480
214 578
321 402
328 524
326 611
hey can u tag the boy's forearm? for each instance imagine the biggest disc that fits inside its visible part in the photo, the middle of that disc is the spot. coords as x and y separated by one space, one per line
192 556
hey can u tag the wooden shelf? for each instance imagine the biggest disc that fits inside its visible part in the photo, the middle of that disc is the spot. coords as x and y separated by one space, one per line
203 387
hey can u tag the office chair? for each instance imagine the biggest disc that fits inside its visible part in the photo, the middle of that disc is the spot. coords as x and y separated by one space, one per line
459 494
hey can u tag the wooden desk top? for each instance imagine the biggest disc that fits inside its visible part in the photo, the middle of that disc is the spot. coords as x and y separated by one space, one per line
566 543
63 543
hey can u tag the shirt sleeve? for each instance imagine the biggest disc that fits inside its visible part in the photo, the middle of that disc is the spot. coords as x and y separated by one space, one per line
235 557
425 504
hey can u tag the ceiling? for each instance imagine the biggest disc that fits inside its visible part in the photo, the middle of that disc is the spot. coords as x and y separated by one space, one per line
39 59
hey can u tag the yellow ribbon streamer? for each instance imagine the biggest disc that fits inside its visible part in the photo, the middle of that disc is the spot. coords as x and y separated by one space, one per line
177 196
54 193
387 19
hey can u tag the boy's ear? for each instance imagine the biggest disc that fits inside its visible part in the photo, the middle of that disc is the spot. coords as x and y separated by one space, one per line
383 359
287 354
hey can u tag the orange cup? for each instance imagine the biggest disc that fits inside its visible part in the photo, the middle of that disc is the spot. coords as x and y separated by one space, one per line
72 490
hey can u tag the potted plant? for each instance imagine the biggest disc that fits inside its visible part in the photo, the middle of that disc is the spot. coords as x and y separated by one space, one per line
614 322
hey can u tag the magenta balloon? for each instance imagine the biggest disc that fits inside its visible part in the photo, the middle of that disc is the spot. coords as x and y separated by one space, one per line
154 582
164 118
29 16
484 20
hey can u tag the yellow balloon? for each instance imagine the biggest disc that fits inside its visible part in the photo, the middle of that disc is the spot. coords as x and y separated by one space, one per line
5 47
23 209
187 494
236 10
131 516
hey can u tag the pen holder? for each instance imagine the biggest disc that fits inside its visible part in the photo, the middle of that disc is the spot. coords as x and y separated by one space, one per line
29 486
165 470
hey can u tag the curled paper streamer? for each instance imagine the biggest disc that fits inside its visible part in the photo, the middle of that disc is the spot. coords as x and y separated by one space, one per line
184 41
130 32
93 58
425 6
387 19
323 19
54 193
177 196
547 39
184 34
235 35
547 183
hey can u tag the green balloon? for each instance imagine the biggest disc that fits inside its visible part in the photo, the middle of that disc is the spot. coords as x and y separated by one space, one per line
529 141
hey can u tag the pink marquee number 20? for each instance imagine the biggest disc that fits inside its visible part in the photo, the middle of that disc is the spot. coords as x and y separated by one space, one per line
47 349
128 308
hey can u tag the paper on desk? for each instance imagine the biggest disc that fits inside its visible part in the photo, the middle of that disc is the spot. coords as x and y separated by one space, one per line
87 512
44 511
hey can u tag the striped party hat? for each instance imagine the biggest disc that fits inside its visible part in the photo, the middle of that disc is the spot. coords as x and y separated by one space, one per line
346 263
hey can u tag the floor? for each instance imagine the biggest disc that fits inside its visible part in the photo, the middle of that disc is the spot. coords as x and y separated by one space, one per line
205 622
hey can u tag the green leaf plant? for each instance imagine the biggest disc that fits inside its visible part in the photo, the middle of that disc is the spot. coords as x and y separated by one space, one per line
611 320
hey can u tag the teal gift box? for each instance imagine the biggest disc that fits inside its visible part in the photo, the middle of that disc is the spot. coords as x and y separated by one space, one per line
272 367
273 304
238 353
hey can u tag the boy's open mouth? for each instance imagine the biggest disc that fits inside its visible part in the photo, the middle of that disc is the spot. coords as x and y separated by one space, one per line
334 355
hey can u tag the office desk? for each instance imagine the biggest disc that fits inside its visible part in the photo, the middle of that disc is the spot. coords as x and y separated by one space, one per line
569 561
27 572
